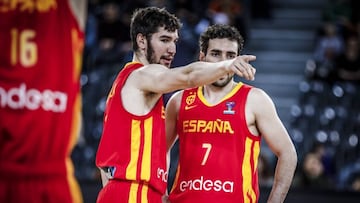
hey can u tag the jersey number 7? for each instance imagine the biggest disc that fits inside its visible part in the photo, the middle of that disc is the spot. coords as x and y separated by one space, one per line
206 146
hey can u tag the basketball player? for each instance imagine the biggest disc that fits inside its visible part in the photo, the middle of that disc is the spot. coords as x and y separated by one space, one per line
132 149
40 59
220 127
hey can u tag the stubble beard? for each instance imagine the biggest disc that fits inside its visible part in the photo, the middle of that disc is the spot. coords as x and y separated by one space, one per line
150 55
223 83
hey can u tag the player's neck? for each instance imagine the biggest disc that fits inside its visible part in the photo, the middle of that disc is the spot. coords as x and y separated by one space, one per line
214 94
138 57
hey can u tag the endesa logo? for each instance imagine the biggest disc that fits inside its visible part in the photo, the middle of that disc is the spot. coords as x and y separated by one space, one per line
162 174
207 185
33 99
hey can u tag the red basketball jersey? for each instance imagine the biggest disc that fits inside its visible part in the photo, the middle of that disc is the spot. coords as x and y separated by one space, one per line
133 146
40 59
218 154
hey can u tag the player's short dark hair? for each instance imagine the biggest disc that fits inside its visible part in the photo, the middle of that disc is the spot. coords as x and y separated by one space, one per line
220 31
147 21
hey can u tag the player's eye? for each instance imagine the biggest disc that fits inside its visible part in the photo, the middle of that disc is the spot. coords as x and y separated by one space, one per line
231 56
215 54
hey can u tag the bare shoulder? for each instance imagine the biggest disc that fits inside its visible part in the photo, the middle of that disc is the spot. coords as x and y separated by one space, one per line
138 96
156 78
177 95
259 99
151 68
146 76
257 93
176 98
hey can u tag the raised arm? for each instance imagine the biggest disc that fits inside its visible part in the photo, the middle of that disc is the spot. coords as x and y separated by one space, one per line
276 136
159 79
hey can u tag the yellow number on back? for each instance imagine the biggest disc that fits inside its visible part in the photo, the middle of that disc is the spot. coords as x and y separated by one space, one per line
23 49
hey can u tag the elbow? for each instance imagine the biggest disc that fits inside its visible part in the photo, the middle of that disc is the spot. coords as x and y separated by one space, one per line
289 156
293 158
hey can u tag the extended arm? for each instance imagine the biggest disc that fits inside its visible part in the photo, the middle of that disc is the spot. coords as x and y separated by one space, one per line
159 79
277 138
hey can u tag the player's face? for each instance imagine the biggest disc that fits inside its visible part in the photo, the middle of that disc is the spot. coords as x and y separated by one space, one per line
162 47
219 50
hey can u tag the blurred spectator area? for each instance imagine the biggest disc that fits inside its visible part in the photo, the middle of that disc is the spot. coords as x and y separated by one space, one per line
328 110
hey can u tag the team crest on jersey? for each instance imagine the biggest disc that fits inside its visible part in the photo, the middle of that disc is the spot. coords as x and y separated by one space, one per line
190 100
229 108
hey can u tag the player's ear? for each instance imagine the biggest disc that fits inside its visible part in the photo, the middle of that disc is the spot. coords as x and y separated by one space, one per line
141 41
201 56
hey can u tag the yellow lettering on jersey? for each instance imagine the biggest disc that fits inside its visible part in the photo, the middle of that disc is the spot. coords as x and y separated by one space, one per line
6 5
24 49
203 126
27 5
208 127
45 5
218 126
227 127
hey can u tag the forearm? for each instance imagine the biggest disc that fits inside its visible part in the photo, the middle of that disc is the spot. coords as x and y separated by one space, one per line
200 73
284 174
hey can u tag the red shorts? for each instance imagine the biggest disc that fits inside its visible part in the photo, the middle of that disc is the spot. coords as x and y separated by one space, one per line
128 192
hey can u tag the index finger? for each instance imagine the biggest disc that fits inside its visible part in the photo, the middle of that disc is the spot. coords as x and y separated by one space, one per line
248 58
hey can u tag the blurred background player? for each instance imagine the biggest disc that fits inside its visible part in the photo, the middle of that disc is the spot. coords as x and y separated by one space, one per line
40 103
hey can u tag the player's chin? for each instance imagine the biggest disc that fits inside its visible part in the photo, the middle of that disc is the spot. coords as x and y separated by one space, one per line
219 83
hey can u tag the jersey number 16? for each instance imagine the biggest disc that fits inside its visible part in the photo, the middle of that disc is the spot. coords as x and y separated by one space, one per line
23 48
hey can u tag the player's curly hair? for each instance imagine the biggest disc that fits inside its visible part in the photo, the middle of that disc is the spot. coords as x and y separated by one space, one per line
147 21
220 31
